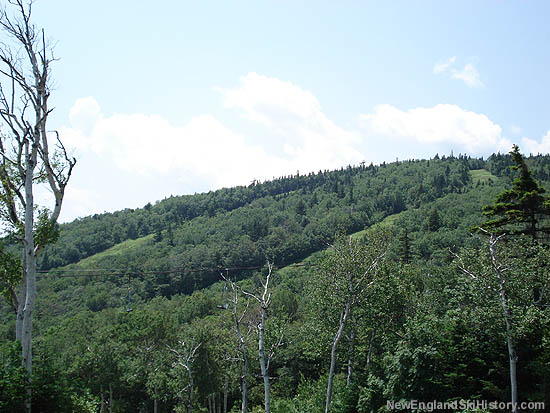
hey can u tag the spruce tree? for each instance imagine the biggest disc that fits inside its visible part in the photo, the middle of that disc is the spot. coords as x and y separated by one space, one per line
521 209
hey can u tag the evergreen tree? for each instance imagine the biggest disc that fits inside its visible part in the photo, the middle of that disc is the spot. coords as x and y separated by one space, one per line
404 246
518 210
434 221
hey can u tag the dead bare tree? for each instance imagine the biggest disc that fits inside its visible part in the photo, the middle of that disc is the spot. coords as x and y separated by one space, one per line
185 354
26 159
264 300
238 316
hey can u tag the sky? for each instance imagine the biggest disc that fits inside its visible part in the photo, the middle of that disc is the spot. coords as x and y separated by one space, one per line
176 97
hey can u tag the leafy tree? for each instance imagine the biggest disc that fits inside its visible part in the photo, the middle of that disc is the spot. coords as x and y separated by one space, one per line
520 209
507 274
52 392
346 279
13 378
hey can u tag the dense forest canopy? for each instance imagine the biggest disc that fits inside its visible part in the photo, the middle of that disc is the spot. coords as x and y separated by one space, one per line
151 309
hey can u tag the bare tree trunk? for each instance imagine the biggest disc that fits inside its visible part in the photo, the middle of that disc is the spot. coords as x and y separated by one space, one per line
241 344
263 366
30 264
155 405
335 341
244 361
244 373
184 358
20 306
191 389
25 64
351 353
264 299
499 271
369 352
512 355
348 273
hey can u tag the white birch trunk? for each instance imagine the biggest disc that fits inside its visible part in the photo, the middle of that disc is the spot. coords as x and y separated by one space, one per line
30 268
244 372
191 387
20 307
263 365
512 355
369 353
343 318
351 356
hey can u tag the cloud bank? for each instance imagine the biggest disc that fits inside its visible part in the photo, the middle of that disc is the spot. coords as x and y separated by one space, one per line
467 131
206 148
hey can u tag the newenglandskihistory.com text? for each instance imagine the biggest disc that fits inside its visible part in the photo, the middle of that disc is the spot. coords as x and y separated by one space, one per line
434 405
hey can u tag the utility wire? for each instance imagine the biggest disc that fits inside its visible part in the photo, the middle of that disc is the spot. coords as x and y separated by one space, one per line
111 272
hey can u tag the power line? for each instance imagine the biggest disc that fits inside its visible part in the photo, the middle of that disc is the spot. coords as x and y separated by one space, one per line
111 272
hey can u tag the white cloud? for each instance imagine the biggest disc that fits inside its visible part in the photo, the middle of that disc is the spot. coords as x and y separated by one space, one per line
469 75
149 145
465 130
84 114
271 101
312 140
83 202
531 146
441 67
205 149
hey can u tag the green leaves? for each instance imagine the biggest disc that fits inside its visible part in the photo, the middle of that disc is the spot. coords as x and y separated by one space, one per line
13 378
11 272
45 230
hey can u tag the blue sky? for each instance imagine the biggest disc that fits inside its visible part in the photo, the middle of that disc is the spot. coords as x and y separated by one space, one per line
177 97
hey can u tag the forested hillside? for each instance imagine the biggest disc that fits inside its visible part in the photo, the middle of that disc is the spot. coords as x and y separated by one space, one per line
165 308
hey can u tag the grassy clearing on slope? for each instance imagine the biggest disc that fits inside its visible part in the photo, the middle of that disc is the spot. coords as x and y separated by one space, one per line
125 247
482 176
386 222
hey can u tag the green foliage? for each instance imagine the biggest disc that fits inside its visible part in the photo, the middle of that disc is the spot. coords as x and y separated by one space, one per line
521 209
421 331
45 231
11 272
482 177
13 378
51 390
